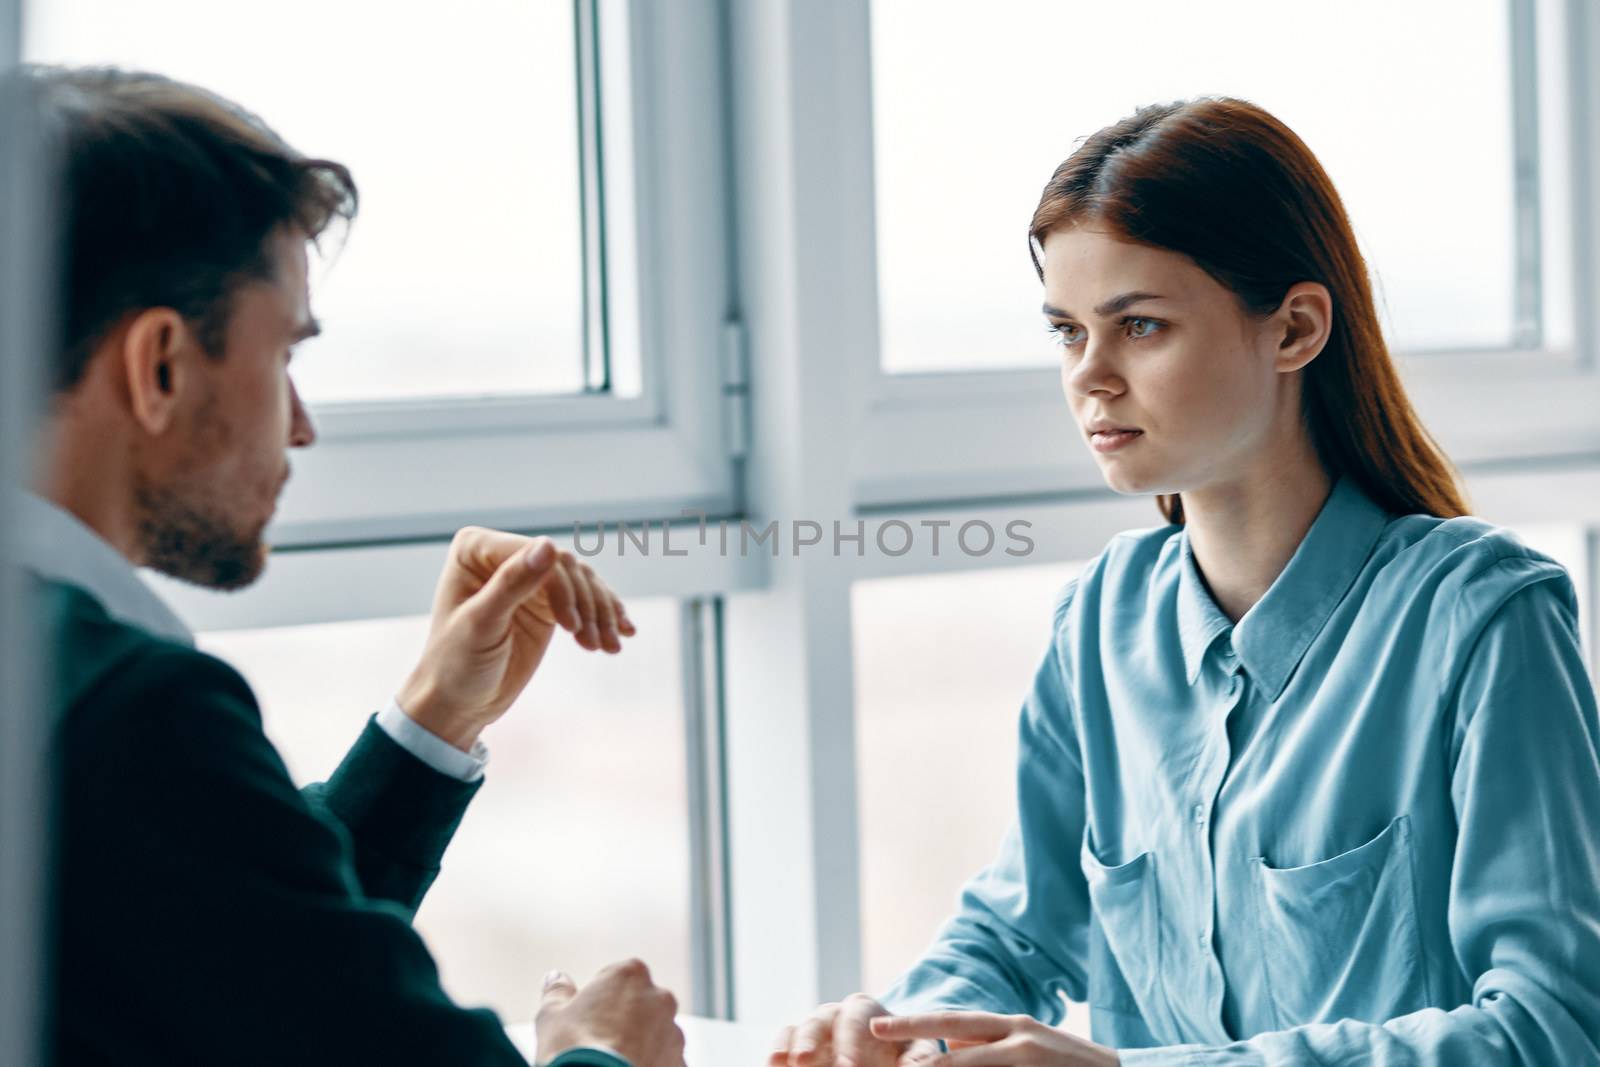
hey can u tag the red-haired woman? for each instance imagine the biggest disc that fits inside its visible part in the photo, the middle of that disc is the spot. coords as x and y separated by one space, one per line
1310 774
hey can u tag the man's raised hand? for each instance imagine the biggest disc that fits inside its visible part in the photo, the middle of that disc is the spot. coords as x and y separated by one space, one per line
499 601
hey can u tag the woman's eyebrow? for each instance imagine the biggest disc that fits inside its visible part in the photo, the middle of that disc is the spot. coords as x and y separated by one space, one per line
1109 307
1123 302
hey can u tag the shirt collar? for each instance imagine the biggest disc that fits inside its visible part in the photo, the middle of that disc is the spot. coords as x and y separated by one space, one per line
54 544
1274 634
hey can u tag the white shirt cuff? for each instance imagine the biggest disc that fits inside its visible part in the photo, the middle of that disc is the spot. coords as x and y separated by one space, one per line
436 752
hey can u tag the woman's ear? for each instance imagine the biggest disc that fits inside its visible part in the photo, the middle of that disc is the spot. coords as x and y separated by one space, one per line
151 354
1303 320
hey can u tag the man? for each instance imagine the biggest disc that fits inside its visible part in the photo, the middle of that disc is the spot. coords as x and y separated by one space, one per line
207 912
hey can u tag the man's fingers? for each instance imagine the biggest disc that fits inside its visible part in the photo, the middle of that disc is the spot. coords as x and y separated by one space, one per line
948 1025
558 989
563 601
624 624
605 610
515 580
588 634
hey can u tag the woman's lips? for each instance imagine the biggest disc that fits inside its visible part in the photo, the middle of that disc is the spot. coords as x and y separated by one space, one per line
1111 440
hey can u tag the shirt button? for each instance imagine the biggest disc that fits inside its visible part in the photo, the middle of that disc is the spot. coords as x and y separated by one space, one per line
1199 813
1204 940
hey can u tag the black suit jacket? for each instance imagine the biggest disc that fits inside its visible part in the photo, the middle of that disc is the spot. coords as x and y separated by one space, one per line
208 912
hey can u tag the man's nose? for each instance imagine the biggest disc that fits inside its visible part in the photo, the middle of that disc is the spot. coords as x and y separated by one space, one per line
302 434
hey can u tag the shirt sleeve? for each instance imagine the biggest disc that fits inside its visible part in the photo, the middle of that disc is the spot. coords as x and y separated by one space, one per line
431 749
1524 907
1019 935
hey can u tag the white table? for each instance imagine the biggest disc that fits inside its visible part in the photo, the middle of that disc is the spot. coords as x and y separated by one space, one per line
707 1042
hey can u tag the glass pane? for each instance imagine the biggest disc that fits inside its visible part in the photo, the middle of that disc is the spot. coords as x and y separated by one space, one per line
974 111
463 273
575 852
943 663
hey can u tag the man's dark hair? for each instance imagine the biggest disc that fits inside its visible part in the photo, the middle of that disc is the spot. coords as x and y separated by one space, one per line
166 197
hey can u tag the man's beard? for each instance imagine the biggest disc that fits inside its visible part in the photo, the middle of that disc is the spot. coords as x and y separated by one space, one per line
193 542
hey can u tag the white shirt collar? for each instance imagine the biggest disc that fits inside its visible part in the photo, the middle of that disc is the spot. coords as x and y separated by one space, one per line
52 543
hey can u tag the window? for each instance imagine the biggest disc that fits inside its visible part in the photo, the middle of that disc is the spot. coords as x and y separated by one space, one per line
574 854
943 662
837 194
974 110
540 184
465 271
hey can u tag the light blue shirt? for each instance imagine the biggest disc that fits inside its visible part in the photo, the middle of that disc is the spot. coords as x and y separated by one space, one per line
1361 825
52 543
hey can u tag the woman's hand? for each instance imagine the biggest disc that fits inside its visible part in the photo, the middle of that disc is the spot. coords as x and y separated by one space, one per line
979 1039
839 1035
500 599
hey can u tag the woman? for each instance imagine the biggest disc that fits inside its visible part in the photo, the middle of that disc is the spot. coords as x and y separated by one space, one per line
1310 774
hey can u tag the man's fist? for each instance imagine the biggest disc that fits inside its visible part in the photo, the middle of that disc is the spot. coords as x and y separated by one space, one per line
621 1010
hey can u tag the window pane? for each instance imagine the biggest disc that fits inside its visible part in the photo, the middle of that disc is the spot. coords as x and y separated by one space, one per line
574 854
943 663
463 272
974 111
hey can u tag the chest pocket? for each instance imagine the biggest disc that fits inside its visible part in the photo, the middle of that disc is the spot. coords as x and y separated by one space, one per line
1125 940
1339 938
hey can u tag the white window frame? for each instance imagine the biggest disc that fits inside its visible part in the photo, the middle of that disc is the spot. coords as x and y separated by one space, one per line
362 530
1483 405
415 470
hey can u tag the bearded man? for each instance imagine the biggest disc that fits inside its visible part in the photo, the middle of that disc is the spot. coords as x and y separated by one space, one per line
205 910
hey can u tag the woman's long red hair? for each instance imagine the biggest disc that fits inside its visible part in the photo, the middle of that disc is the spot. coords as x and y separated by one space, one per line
1226 184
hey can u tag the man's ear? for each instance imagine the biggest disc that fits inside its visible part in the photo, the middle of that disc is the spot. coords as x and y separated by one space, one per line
151 354
1303 322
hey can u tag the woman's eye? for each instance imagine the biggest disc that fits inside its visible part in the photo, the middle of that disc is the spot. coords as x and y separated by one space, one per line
1138 327
1066 333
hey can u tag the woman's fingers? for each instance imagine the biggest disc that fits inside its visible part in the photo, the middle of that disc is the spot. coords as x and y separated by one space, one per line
1011 1051
853 1040
919 1053
780 1047
976 1026
813 1039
